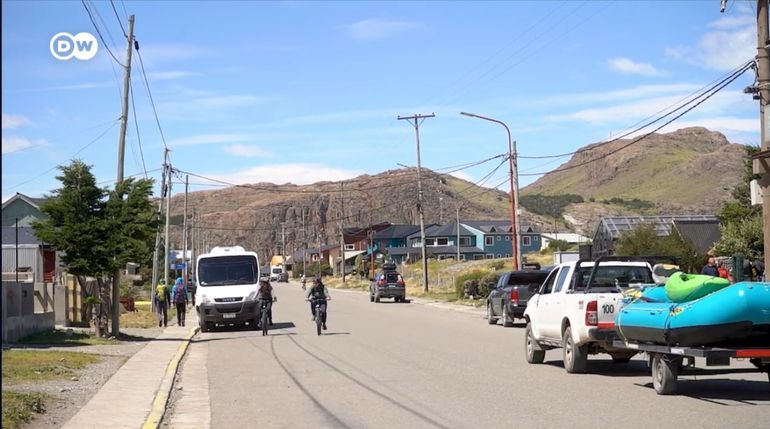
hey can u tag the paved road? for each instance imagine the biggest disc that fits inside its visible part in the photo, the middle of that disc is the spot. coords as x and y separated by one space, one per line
415 366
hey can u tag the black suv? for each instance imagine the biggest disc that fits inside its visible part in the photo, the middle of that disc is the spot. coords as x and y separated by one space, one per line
388 284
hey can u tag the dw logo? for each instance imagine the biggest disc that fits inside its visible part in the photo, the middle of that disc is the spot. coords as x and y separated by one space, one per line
82 46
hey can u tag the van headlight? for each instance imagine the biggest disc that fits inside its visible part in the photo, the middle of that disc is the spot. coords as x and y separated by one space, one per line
205 299
252 296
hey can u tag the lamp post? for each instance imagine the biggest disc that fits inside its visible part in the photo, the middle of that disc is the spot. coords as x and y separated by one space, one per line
514 179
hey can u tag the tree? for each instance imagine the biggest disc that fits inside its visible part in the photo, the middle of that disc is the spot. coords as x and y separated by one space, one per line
97 236
643 240
559 245
740 222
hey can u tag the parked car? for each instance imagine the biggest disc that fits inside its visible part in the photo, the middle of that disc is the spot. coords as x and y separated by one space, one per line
508 300
388 284
575 310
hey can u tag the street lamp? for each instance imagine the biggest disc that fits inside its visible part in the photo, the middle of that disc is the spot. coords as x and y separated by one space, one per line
514 179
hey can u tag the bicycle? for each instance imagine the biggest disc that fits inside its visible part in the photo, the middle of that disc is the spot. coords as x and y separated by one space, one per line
320 312
265 306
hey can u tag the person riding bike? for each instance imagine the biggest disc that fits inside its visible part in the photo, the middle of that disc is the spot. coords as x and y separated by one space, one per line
319 294
303 279
265 293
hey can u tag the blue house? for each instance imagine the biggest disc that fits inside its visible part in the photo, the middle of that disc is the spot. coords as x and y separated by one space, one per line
441 243
393 241
494 237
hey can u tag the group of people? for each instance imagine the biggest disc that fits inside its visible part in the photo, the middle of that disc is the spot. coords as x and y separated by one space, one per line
178 294
164 297
753 269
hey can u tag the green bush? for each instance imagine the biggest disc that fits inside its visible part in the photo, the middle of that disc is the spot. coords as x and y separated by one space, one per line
472 276
488 283
549 205
498 265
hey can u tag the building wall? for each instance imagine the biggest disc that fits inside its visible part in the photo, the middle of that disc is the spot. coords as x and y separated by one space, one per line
534 243
22 210
29 256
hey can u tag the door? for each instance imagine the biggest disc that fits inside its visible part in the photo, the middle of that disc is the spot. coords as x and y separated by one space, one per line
543 304
553 314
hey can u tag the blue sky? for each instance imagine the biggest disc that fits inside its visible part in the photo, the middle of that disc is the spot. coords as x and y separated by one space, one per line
300 92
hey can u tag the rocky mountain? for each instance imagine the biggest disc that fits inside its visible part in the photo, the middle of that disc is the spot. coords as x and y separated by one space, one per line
686 171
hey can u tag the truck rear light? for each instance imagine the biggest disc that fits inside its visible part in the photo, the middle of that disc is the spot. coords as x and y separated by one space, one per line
592 313
381 282
514 295
400 282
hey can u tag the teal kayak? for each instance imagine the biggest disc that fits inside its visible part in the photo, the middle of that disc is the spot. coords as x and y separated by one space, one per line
682 287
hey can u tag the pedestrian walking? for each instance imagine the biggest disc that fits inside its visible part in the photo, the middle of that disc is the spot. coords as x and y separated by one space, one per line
180 299
162 298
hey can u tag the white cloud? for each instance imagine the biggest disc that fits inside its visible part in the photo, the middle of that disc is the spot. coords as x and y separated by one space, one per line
15 144
170 75
723 124
206 106
298 174
730 42
210 139
378 29
634 93
79 86
463 176
14 121
246 150
628 66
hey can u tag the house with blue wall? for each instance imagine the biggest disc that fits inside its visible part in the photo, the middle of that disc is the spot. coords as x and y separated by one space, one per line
441 242
494 237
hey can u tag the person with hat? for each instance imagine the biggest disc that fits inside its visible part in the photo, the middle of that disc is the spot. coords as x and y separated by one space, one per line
162 298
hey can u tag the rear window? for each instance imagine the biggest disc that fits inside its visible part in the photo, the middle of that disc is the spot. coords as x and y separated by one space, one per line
392 277
527 279
616 276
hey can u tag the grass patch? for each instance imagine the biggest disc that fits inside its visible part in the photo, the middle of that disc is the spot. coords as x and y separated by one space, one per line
34 365
61 338
18 407
143 317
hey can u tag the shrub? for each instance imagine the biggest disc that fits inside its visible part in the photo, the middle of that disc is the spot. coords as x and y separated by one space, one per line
498 265
469 280
488 283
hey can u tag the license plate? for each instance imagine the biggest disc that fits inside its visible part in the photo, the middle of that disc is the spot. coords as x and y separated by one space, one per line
228 316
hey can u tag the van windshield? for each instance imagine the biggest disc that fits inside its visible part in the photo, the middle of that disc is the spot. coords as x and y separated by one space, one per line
227 270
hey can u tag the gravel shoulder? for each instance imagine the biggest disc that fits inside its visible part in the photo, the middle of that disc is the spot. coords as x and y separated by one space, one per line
67 396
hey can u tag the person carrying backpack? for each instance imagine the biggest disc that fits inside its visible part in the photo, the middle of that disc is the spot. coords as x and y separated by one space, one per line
180 299
162 298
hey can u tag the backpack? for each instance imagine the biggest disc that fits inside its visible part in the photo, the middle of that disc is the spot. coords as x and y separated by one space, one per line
266 292
180 294
318 292
160 293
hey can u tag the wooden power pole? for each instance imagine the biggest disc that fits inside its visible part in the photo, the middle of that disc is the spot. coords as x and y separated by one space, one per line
763 168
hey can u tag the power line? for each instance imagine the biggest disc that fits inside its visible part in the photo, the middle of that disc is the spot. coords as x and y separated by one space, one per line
96 27
72 156
118 18
638 139
149 93
143 173
136 125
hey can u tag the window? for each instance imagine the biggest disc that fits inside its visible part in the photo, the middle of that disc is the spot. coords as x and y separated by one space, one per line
489 256
560 281
507 255
430 241
443 241
350 247
526 240
536 238
499 256
462 257
489 241
507 238
477 257
465 241
548 284
499 238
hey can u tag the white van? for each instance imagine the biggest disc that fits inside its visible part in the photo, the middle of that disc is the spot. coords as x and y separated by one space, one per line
228 281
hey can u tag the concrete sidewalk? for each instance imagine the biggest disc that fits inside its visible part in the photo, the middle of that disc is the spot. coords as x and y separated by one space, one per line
136 395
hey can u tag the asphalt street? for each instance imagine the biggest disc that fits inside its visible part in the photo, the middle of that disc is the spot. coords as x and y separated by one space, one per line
411 365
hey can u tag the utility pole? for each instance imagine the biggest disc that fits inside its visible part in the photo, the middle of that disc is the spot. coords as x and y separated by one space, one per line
184 230
193 226
415 120
121 154
304 243
458 234
763 72
157 232
342 232
283 245
167 248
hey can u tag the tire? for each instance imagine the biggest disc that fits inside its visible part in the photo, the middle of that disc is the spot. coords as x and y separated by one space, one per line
491 319
377 298
318 319
575 357
508 323
533 355
664 374
371 297
264 323
254 323
204 327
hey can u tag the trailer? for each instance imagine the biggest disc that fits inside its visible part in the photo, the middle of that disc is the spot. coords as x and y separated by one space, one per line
669 362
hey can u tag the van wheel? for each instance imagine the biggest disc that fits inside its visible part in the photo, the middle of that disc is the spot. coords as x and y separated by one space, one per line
575 357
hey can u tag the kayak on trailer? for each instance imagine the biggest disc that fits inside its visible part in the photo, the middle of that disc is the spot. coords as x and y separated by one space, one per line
736 312
681 287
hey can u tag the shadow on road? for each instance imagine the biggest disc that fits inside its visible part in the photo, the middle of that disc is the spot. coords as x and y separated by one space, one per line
335 333
713 390
609 368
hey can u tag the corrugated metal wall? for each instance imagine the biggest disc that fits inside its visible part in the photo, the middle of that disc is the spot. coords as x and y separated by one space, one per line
28 257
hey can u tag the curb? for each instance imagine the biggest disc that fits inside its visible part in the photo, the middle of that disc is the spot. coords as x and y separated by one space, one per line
161 398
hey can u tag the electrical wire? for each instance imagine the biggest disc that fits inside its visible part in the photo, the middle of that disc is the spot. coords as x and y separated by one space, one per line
638 139
118 18
136 125
143 173
98 32
149 94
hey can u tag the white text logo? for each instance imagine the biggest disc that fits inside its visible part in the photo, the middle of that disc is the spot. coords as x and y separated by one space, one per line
82 46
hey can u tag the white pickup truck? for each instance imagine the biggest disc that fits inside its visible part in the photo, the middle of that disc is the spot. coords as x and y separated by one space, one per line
575 309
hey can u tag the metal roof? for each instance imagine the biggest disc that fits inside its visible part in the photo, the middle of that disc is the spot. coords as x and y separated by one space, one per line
448 230
396 231
495 226
26 236
617 225
703 234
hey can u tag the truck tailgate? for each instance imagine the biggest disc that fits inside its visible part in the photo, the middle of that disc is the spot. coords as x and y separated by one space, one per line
608 304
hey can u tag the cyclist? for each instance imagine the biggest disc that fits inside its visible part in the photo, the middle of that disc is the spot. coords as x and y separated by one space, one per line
266 294
319 294
303 279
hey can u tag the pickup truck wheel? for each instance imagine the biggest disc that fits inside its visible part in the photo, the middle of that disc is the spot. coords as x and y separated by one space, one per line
371 297
664 374
490 318
377 298
533 355
505 320
575 357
